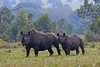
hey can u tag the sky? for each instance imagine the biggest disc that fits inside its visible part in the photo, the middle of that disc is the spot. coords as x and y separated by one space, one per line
74 4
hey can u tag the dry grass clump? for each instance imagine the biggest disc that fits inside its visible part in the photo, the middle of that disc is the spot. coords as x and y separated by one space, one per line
10 45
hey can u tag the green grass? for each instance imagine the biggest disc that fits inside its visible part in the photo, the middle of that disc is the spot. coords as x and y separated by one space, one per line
2 42
15 57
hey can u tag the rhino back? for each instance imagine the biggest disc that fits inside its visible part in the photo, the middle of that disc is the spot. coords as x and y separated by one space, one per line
43 40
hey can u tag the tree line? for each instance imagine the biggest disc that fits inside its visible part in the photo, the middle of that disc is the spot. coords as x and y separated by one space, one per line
10 25
91 12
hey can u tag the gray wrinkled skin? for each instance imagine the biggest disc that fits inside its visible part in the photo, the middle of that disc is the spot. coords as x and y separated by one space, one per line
40 40
70 43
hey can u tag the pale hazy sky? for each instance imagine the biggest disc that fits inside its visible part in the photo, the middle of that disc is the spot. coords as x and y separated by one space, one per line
74 4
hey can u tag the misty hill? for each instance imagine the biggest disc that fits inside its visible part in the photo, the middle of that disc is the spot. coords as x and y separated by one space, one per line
56 11
29 8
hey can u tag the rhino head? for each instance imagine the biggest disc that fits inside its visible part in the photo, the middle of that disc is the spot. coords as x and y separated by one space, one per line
61 38
25 38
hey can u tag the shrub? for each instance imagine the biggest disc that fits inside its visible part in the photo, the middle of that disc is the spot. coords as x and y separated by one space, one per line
5 37
19 44
2 42
8 51
92 37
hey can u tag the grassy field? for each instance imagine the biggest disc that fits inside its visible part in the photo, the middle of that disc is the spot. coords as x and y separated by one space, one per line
13 55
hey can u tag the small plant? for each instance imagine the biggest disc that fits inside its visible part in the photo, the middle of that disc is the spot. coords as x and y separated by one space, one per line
23 50
93 45
99 47
19 44
2 42
8 51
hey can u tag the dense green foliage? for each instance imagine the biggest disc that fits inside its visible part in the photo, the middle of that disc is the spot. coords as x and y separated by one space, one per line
10 30
95 26
6 18
93 33
55 13
91 36
10 25
63 25
91 12
44 23
22 23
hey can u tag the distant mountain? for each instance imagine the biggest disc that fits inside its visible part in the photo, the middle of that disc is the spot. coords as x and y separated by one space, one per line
56 12
59 12
11 3
28 5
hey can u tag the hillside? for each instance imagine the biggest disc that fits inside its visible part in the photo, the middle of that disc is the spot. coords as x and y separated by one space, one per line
56 11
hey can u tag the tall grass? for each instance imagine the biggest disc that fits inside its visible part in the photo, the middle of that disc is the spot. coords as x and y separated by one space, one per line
15 57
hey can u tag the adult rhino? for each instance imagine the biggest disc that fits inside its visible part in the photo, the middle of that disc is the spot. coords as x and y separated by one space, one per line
70 43
39 41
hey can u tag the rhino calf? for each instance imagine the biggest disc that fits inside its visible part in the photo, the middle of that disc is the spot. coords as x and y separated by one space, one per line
70 43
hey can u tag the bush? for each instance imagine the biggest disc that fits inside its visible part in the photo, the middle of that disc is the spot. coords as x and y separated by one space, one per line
92 37
2 42
19 44
5 37
8 51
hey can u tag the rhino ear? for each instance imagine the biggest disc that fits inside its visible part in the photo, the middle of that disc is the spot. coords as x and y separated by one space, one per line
21 32
57 34
28 33
63 34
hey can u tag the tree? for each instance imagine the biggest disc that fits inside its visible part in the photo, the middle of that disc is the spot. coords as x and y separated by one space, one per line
5 37
64 26
91 36
95 26
44 23
69 28
92 12
5 15
6 18
22 23
60 24
89 10
97 1
30 16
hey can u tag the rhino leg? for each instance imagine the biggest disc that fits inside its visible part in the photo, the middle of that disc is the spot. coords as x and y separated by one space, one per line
83 51
36 52
58 49
82 46
77 51
36 48
28 50
65 51
68 51
50 51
